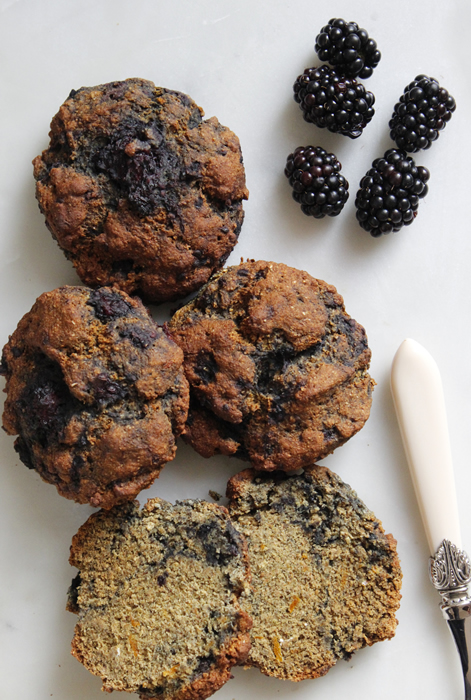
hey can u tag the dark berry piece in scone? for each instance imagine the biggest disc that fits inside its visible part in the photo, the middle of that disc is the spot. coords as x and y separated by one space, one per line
95 392
139 191
325 578
157 597
277 368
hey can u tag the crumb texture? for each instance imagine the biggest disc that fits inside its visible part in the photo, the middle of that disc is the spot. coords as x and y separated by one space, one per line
277 368
157 598
95 392
139 191
325 577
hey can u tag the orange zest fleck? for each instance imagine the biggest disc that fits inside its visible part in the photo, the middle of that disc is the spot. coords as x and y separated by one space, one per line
277 650
133 644
171 671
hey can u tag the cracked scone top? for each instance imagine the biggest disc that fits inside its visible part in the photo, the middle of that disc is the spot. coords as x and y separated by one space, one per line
157 597
277 368
95 392
139 191
325 578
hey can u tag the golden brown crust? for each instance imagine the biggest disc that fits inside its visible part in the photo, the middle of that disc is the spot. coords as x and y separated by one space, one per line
95 392
139 191
278 370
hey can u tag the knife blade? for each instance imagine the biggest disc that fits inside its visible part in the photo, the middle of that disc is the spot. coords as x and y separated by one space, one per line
420 408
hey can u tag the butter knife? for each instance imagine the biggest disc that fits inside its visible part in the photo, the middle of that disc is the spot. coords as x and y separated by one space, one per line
420 407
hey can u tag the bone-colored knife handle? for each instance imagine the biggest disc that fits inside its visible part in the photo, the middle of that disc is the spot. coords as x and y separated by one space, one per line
420 406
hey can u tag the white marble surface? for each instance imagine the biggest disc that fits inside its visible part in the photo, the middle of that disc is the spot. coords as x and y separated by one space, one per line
238 60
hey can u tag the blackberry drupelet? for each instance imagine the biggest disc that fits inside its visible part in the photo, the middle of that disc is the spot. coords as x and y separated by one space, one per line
317 184
329 101
347 47
389 193
422 112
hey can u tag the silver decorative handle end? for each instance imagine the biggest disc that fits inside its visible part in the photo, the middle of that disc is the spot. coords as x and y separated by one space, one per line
450 573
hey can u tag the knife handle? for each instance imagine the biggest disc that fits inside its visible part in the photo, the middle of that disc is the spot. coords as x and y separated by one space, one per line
420 406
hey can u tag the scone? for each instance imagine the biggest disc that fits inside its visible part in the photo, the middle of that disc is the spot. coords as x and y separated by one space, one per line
325 578
139 191
157 596
277 368
95 392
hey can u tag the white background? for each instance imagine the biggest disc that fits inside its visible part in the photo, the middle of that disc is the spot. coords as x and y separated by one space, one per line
239 60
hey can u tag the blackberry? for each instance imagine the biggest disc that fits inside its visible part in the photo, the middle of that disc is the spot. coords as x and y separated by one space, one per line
347 47
331 102
317 184
389 193
422 112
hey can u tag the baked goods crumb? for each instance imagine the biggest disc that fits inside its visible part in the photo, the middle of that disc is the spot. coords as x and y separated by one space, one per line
325 577
157 598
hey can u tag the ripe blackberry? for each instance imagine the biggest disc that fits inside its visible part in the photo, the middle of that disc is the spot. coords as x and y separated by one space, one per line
329 101
348 48
317 184
422 112
389 193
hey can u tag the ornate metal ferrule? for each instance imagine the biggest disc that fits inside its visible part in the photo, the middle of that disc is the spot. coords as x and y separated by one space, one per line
450 573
